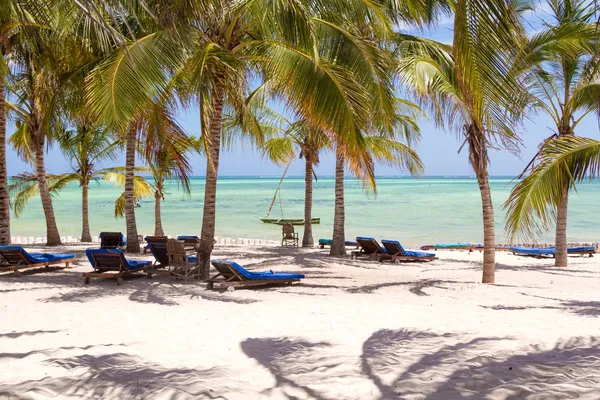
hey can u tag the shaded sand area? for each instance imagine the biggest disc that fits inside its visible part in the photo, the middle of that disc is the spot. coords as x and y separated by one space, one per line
350 330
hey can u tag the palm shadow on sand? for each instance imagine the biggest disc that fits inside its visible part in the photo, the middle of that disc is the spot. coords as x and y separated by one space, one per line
402 364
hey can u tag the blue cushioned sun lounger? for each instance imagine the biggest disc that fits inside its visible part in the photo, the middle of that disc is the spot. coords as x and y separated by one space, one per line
550 251
369 249
328 242
112 264
154 239
231 274
397 253
14 258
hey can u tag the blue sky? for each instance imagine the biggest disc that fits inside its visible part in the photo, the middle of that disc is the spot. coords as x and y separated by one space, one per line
438 149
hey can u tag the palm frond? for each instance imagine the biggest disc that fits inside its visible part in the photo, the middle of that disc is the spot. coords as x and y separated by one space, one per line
533 202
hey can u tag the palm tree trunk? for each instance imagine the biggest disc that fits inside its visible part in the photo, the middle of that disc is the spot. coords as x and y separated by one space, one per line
489 239
52 234
207 236
133 244
86 236
479 161
338 246
307 239
158 229
561 230
4 199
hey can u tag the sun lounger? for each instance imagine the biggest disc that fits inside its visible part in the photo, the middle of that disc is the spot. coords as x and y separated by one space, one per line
112 264
395 252
369 249
15 258
161 257
550 251
153 239
328 242
112 240
232 275
582 250
189 241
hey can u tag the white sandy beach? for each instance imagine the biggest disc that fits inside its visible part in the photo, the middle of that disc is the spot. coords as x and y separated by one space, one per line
350 330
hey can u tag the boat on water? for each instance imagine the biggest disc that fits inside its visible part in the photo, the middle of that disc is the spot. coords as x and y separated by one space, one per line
293 221
283 220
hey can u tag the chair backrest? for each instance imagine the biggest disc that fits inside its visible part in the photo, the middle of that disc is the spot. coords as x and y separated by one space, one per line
288 231
393 247
111 240
227 269
176 252
106 260
156 239
369 245
159 251
13 255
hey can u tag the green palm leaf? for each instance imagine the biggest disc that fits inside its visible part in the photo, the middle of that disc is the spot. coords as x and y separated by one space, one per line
532 204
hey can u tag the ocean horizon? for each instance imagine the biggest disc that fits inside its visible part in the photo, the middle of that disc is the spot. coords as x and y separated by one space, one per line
414 210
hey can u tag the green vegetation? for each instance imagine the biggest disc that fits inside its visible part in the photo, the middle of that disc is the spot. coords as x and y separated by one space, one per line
99 77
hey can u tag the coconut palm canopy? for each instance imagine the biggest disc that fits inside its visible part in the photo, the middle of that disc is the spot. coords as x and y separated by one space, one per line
561 70
119 71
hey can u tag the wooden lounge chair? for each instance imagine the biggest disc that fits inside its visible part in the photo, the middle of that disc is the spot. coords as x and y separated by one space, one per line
161 260
181 265
396 253
370 249
112 240
189 242
111 264
288 236
328 242
232 275
154 239
15 258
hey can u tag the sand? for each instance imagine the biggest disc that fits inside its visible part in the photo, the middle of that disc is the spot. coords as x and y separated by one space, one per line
350 330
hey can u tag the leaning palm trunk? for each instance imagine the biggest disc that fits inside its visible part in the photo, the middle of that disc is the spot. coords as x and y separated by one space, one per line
53 237
338 246
158 229
479 161
307 239
133 244
4 199
561 230
86 236
207 236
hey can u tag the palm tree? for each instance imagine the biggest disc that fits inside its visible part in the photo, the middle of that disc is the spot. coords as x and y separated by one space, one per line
390 150
6 18
47 62
87 146
12 22
307 141
562 162
25 186
165 151
338 244
131 142
564 82
304 54
472 87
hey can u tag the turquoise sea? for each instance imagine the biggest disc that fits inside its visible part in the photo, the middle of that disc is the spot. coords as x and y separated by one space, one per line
415 211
